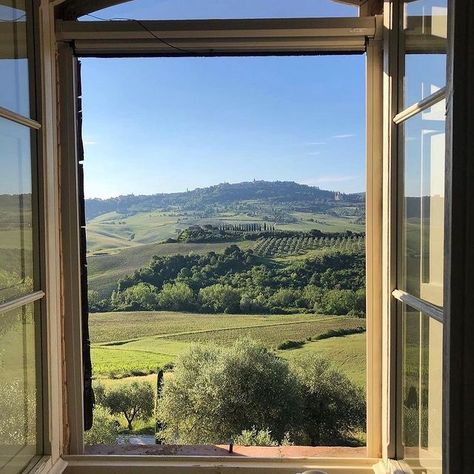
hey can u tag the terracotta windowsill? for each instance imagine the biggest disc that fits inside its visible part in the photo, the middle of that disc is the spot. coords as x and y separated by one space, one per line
223 450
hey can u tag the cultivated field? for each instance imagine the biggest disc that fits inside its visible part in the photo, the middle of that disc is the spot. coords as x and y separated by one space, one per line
112 232
154 339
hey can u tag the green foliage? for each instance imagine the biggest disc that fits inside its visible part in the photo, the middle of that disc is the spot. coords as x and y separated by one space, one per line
219 299
285 298
339 333
140 296
104 428
333 407
238 281
290 345
341 302
254 437
133 401
217 392
176 297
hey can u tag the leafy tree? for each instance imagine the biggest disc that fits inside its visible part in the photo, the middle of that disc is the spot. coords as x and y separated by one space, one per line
359 305
220 298
312 295
176 297
104 428
134 401
96 303
341 302
333 407
216 392
285 298
141 296
336 302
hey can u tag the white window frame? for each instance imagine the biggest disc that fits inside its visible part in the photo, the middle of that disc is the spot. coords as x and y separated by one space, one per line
222 37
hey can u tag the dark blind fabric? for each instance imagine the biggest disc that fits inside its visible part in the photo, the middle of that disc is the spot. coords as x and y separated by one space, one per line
88 394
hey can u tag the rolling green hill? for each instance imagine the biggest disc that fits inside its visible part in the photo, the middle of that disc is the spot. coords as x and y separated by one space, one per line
249 195
123 233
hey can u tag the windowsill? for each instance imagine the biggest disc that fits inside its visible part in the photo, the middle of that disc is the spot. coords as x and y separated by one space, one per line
277 452
129 463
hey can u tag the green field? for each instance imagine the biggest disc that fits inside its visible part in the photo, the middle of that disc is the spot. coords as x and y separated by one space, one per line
154 339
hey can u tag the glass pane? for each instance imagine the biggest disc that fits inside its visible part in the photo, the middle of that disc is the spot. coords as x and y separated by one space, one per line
425 33
19 388
422 205
422 388
16 233
14 93
224 9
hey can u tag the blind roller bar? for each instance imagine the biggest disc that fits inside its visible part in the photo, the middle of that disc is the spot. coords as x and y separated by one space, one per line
203 37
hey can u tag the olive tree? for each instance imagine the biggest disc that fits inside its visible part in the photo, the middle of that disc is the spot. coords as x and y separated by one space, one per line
104 428
132 400
333 407
216 393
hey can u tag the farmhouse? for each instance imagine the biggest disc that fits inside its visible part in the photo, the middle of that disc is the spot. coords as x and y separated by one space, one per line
419 123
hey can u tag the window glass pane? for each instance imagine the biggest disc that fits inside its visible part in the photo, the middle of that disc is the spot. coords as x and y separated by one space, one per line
422 380
225 9
425 32
422 205
16 233
14 93
19 388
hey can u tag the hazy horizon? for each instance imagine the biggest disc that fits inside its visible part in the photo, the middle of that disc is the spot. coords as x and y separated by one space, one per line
219 184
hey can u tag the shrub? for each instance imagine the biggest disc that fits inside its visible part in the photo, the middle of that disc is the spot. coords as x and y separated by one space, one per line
104 428
255 437
338 333
216 392
290 345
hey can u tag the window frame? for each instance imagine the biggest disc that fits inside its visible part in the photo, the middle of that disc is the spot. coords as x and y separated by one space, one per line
396 115
38 295
69 36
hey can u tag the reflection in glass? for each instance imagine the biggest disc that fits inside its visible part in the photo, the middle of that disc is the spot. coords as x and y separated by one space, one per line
422 205
14 94
18 388
225 9
16 233
422 388
425 33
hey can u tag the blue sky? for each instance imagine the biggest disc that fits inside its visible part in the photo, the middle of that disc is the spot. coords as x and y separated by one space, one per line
169 124
196 9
